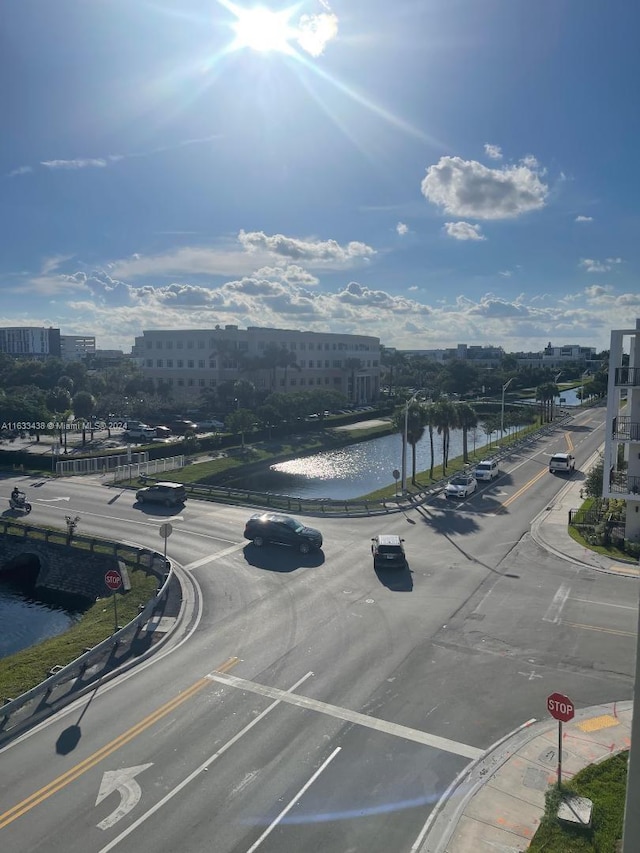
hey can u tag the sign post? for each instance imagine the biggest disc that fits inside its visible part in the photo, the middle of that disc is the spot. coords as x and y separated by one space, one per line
396 477
561 709
113 581
165 531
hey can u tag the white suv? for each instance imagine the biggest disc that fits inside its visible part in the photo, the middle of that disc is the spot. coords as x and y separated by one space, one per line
487 469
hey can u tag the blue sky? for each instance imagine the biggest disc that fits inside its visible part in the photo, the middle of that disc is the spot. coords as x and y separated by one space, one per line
429 171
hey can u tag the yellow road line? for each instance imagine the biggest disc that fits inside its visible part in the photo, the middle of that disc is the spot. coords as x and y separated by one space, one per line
74 772
523 489
569 440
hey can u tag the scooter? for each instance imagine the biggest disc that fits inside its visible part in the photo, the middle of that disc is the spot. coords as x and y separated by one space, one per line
20 504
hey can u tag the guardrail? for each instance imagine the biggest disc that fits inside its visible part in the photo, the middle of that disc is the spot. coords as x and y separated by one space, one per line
79 666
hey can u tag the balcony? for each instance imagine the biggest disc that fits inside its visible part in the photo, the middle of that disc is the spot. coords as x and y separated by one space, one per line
624 429
623 484
627 376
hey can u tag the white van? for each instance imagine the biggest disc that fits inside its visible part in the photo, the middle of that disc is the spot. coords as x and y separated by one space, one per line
487 469
562 463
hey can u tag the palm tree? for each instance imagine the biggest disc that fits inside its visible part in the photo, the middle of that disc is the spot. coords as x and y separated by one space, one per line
467 419
413 418
431 421
446 420
545 393
84 405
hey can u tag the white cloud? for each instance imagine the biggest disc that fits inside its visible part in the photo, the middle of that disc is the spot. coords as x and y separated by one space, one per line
402 229
506 273
591 265
583 219
463 231
20 170
88 163
311 251
316 31
493 151
468 188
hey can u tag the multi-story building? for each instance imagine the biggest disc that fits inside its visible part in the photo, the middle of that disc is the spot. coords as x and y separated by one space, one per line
30 341
76 347
190 361
622 437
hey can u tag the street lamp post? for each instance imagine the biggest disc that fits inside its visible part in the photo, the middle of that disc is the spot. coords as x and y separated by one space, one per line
504 388
405 434
586 373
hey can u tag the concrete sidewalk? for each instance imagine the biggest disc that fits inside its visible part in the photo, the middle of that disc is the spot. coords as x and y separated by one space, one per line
497 803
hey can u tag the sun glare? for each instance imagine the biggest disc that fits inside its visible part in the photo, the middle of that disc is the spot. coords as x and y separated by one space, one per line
263 30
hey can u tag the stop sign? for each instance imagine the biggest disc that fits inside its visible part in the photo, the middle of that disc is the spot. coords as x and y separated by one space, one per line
560 707
113 580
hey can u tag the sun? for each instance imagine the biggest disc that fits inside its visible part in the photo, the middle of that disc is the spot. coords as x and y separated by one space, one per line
262 29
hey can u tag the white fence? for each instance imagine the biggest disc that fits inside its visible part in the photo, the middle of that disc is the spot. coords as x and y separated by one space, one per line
149 467
97 464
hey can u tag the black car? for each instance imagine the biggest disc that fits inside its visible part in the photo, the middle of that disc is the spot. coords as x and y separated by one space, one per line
271 527
388 552
169 494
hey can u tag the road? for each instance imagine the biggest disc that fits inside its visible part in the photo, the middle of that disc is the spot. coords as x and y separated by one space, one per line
310 702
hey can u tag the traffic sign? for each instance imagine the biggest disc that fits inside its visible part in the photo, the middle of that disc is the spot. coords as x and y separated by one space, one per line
560 707
165 530
113 580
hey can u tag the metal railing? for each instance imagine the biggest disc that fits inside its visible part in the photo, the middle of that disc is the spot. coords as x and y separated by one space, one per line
627 376
624 429
622 483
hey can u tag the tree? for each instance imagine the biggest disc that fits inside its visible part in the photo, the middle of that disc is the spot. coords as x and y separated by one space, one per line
467 418
594 481
58 401
445 415
240 421
352 365
84 405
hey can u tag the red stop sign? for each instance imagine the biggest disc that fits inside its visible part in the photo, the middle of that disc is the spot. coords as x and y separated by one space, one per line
113 580
560 707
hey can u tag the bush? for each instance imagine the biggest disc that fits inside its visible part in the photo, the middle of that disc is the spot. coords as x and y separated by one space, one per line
632 548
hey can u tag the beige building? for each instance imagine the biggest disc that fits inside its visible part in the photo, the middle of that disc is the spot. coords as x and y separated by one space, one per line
190 361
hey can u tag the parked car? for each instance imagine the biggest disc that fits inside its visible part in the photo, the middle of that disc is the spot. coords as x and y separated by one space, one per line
388 551
181 427
163 432
562 463
271 527
461 486
211 424
487 469
168 494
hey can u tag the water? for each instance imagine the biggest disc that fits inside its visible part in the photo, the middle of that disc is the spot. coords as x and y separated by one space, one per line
355 470
26 622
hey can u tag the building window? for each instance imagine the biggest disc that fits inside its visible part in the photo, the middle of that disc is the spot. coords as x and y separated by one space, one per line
169 362
158 362
201 383
326 346
149 344
303 346
149 362
326 364
169 344
311 345
180 344
337 362
200 344
293 382
189 344
213 382
212 363
158 344
311 382
181 383
302 382
180 363
190 383
201 363
191 364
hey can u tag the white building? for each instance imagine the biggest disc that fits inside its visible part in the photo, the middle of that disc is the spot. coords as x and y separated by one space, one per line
190 361
622 439
76 347
30 341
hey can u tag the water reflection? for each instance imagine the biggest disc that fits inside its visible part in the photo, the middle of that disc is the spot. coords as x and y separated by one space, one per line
355 470
26 622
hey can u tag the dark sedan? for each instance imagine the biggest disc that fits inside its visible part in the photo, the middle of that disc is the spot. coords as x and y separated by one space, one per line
271 527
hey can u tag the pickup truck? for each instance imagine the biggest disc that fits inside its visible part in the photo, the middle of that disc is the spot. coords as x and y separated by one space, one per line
562 463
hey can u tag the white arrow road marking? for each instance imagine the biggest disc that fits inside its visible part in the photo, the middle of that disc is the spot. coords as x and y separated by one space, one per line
51 500
130 792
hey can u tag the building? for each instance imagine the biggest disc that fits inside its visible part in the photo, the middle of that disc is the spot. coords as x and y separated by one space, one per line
30 341
484 356
622 437
76 347
191 361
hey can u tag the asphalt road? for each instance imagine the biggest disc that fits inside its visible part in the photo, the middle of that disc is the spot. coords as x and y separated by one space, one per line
310 702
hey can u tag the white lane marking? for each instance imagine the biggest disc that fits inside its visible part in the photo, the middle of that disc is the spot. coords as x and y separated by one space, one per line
204 766
124 782
554 611
396 729
292 802
606 603
210 559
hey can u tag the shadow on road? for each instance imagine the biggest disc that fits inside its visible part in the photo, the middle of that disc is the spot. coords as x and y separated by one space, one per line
273 558
396 580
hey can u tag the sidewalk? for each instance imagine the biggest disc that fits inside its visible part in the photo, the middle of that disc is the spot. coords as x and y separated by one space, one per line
496 804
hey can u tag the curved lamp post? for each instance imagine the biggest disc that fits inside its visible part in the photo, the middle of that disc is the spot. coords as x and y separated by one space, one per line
504 388
586 373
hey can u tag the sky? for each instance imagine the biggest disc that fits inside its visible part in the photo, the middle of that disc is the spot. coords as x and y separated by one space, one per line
431 172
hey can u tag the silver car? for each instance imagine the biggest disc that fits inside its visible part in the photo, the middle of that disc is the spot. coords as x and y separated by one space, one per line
461 486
